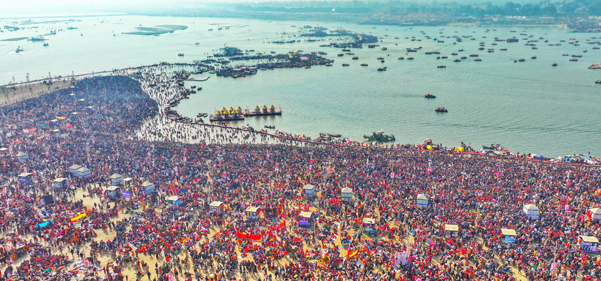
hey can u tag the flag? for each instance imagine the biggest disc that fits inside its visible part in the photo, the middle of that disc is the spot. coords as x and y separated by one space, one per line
365 249
255 237
354 253
241 235
589 214
78 217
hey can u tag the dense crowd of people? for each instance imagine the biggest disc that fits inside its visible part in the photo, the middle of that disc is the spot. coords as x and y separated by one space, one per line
113 125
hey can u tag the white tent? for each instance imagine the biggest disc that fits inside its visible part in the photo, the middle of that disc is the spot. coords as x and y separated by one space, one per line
531 211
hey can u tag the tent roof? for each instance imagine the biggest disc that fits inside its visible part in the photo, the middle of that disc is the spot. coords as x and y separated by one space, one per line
173 198
115 176
347 190
308 186
596 210
252 209
509 232
147 183
306 214
369 221
24 174
530 207
112 188
74 167
422 196
216 203
60 179
590 239
21 154
451 227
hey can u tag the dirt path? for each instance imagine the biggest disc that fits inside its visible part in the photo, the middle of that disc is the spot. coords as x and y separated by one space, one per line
13 94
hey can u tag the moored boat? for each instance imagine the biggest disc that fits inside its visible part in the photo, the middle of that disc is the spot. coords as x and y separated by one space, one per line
379 137
595 66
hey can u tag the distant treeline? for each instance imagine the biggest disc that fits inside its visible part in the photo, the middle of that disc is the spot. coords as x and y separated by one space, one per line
544 8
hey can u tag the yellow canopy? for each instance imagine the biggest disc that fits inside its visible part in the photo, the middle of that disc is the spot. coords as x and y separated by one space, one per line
218 112
429 147
459 148
272 106
60 118
264 106
257 107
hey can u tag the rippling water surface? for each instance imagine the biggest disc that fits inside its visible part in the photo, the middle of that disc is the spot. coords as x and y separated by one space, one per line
526 106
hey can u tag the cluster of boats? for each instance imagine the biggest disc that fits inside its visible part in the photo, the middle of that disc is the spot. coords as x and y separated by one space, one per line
328 137
379 137
438 109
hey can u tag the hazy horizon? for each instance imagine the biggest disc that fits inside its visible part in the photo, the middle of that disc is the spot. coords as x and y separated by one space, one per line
26 7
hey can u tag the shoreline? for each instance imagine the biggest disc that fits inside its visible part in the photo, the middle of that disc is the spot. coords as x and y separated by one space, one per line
280 136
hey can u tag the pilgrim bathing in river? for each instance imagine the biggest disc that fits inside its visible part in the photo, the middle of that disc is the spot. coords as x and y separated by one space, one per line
99 183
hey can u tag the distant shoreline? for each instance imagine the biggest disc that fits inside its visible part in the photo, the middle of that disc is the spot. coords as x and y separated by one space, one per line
561 26
42 16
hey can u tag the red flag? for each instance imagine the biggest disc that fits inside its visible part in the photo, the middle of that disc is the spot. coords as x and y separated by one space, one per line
589 214
241 235
255 237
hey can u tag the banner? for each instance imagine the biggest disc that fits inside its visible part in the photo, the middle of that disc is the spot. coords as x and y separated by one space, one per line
126 193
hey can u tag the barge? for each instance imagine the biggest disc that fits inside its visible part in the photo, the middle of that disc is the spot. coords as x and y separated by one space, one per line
262 111
226 115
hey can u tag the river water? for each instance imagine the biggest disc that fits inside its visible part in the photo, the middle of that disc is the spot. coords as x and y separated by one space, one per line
526 106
